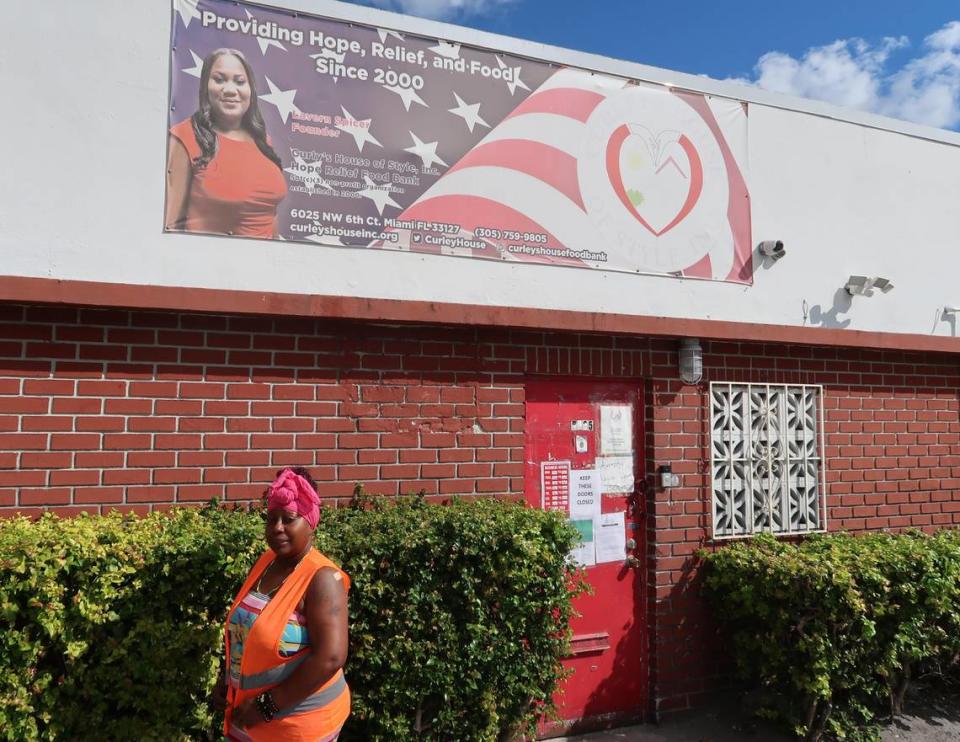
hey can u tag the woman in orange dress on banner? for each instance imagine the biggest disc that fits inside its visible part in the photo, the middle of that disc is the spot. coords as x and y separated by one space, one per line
223 176
286 632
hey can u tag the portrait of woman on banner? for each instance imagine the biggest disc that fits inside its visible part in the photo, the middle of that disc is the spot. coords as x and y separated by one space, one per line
223 175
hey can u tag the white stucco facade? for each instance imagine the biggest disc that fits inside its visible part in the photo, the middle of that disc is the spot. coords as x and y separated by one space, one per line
86 91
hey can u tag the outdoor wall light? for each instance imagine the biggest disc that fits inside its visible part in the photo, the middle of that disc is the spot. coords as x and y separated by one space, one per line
691 360
865 285
666 478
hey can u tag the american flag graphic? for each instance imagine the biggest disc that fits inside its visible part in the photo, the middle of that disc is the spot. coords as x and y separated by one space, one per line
524 177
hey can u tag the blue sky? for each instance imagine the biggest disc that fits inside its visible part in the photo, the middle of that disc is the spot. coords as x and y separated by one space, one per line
895 58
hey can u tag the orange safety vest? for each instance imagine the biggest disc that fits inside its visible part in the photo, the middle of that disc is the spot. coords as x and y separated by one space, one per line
318 715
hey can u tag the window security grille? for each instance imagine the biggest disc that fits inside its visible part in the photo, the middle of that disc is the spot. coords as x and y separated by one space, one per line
766 460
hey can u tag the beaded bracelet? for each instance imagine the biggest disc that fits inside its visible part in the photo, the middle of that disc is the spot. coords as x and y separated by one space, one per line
266 705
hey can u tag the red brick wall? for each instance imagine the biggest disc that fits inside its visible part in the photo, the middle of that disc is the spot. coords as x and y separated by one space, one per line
145 410
892 458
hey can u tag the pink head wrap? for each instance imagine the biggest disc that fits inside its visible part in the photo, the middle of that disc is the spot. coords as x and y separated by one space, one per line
292 492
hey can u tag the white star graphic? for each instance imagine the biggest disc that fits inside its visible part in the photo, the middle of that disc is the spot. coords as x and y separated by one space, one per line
446 49
265 43
187 10
469 113
359 130
330 54
516 82
309 173
197 66
384 32
426 151
407 95
379 194
282 99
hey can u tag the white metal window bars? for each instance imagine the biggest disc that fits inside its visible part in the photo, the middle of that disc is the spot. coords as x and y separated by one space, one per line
766 443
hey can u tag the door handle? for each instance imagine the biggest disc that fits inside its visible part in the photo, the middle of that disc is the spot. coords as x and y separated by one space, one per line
633 562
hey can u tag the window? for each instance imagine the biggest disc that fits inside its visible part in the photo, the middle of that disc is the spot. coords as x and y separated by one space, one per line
766 459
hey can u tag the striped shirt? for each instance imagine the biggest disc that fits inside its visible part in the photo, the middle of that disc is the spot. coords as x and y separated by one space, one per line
295 636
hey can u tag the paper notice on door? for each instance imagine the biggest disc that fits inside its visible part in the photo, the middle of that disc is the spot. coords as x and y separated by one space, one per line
585 492
616 429
611 539
555 485
584 553
616 473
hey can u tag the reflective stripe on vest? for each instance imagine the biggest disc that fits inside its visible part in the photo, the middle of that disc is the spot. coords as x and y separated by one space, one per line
273 676
318 700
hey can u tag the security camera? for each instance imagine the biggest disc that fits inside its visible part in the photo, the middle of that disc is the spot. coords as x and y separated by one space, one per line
772 249
858 286
951 310
864 285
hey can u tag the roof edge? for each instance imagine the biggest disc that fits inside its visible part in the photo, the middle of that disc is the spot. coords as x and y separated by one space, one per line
32 290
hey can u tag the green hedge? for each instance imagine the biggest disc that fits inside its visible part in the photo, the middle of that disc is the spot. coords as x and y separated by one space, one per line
113 625
834 627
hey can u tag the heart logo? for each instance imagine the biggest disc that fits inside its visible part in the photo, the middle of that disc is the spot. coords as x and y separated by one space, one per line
658 176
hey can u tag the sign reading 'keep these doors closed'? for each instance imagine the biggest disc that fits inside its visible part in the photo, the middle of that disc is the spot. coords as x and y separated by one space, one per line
293 127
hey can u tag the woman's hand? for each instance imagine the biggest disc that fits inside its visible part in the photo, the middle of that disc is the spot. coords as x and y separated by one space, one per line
247 715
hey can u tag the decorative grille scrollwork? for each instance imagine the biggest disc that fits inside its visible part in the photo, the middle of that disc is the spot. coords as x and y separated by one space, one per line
765 444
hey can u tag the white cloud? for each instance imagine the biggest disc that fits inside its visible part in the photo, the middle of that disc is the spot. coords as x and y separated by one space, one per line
853 73
441 9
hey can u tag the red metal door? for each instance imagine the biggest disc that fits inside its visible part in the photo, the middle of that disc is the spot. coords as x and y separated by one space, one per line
582 422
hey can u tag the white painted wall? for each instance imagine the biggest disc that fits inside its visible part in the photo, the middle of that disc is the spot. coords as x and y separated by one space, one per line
85 90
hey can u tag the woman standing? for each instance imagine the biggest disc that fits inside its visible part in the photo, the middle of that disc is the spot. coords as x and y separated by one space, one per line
223 177
286 637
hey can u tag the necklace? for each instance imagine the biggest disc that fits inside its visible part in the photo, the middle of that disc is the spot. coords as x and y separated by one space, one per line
280 584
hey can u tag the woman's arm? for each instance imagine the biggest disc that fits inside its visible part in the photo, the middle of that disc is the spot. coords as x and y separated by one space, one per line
325 606
179 173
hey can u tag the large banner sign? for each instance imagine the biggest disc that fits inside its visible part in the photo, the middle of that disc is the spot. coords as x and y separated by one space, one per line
286 126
